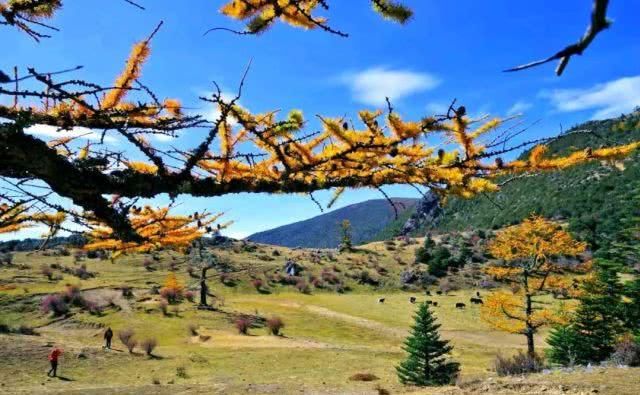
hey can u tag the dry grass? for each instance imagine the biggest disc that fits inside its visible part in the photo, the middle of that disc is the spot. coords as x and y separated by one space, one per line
329 337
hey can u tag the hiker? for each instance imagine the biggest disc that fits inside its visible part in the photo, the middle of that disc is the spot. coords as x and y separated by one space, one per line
53 359
108 334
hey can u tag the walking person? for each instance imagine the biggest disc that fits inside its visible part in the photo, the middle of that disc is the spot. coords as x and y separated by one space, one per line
108 335
53 360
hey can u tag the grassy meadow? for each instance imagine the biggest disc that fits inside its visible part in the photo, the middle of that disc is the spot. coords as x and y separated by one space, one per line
328 337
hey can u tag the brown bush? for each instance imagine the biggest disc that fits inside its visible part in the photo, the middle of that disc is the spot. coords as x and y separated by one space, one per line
47 272
193 329
148 345
303 287
275 325
126 337
363 377
190 296
627 352
243 324
164 307
257 283
521 363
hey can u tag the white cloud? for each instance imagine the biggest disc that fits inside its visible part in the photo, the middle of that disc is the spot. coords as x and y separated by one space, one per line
436 108
211 112
371 86
54 132
607 99
519 107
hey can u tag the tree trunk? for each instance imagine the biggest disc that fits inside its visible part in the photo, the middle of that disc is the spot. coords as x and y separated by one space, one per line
203 287
528 312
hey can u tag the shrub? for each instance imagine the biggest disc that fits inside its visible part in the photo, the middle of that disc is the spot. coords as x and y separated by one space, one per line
243 324
54 304
447 286
148 345
47 272
7 258
257 283
181 372
126 291
303 287
78 256
275 325
169 294
190 296
193 329
330 277
521 363
148 264
72 295
172 290
364 277
92 307
627 352
164 307
82 272
363 377
126 337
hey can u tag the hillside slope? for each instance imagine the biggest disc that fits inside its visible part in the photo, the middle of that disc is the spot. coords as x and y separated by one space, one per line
598 199
367 220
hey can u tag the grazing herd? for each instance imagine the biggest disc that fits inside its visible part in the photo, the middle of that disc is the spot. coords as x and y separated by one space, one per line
459 305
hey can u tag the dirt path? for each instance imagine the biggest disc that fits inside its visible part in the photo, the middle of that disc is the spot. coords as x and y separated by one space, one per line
363 322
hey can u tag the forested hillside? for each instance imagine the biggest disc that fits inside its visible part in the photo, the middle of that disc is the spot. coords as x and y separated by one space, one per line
598 199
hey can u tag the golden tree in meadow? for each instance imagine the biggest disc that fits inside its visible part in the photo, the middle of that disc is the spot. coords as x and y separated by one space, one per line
451 153
529 252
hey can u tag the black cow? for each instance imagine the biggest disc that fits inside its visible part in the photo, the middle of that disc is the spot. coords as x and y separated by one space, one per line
429 302
412 299
478 294
435 304
476 301
460 305
381 300
428 293
439 292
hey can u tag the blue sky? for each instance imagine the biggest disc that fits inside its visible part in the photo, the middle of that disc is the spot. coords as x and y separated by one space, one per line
449 50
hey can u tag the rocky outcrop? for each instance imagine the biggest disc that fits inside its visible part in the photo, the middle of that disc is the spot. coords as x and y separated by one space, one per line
427 213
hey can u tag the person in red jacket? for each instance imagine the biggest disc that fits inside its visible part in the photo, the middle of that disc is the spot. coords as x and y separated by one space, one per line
53 359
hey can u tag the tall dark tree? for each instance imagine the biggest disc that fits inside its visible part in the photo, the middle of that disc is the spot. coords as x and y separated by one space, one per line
200 258
423 254
427 362
597 323
631 307
346 243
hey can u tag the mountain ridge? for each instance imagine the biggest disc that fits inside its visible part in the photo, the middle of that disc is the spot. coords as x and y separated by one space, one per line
367 219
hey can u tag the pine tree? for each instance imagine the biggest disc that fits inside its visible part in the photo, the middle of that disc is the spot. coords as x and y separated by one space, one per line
346 243
596 324
423 254
631 309
563 341
427 362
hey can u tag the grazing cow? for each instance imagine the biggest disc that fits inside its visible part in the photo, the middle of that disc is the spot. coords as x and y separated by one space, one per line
476 301
412 299
478 293
435 304
460 305
381 300
429 302
428 293
439 292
